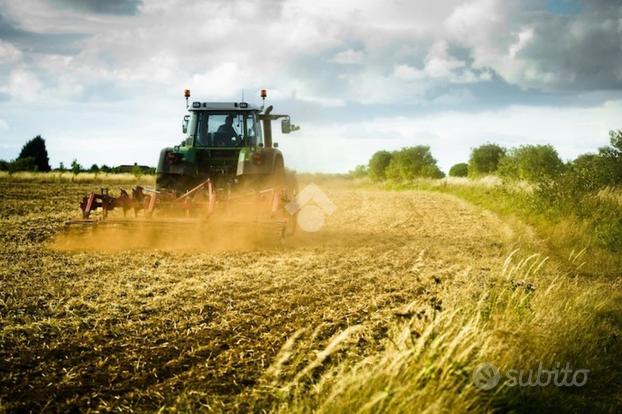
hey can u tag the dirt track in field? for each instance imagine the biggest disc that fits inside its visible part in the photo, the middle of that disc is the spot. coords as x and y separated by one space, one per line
141 328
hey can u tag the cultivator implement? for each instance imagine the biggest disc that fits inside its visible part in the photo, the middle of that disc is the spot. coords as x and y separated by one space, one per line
201 205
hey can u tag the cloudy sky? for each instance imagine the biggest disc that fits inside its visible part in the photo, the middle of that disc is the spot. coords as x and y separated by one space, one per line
102 80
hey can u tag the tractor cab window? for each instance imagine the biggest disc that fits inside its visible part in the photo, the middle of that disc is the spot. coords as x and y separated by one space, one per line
226 130
191 128
220 130
253 131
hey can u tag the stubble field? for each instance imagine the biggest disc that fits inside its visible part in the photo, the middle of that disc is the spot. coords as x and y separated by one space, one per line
208 328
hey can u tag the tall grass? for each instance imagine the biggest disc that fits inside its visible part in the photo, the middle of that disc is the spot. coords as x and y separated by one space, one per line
610 194
524 316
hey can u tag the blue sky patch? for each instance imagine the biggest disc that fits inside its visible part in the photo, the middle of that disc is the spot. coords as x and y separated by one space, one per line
564 7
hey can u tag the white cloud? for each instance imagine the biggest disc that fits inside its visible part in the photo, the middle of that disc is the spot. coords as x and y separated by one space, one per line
371 87
325 102
348 57
407 72
4 126
22 85
221 82
438 63
9 53
524 37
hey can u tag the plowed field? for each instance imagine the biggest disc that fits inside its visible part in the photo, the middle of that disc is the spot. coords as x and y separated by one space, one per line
135 328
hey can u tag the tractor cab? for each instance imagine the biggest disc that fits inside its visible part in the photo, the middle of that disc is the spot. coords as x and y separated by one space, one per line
224 142
222 125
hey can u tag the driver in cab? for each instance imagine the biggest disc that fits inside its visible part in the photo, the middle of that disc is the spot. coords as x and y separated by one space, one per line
226 135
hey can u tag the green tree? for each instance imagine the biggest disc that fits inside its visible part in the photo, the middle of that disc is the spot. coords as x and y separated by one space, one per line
137 171
485 159
610 161
590 172
35 148
104 168
94 168
359 171
587 173
459 170
378 165
413 162
75 167
61 167
615 138
531 162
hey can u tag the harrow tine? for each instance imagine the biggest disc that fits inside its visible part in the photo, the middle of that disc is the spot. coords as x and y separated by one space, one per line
86 211
211 197
151 205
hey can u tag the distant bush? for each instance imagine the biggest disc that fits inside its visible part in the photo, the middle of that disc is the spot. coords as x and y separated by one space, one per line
23 164
75 167
485 159
359 171
588 173
531 163
378 165
413 162
611 160
459 170
137 171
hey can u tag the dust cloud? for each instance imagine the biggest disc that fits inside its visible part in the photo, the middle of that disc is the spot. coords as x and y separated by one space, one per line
234 230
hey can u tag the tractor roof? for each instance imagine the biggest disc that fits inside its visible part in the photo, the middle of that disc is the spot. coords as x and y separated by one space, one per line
222 106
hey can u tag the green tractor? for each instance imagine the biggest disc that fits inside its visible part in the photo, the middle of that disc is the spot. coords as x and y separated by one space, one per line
226 159
229 144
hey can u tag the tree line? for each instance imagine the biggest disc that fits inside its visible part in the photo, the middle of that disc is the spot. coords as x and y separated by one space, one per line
532 163
34 157
405 164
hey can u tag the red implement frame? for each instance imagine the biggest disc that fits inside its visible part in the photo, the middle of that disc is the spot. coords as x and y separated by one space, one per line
200 202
